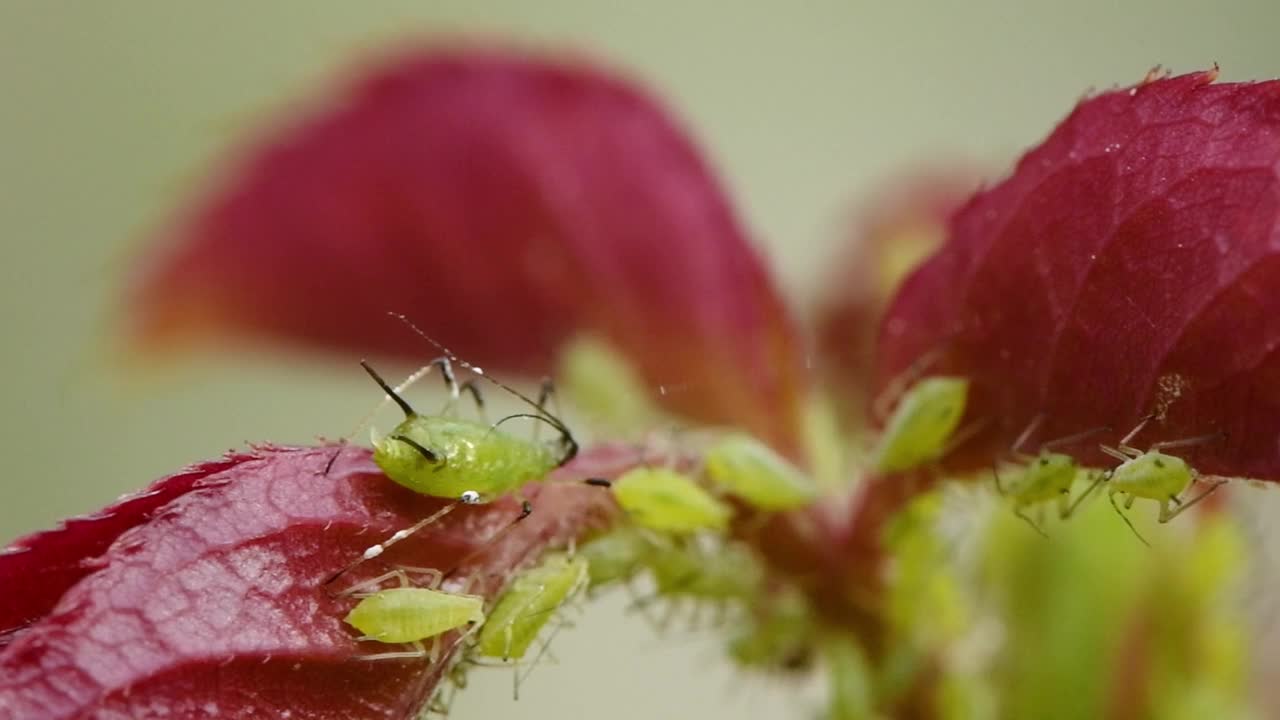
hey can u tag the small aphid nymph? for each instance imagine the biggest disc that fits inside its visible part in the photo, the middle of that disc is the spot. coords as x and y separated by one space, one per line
410 615
1154 475
749 470
525 608
921 427
668 501
1045 477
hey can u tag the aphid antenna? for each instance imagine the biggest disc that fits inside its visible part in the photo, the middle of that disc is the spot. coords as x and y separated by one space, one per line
394 395
526 509
399 535
552 420
543 651
897 385
1030 430
1077 437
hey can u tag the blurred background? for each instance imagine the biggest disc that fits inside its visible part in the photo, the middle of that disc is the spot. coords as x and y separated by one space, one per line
113 114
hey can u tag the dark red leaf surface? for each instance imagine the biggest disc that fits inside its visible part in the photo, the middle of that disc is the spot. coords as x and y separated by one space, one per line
45 564
504 202
1130 265
213 606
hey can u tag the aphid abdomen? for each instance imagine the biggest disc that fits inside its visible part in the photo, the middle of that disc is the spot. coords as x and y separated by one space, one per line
921 425
1153 475
465 456
528 605
748 469
401 615
667 501
1046 478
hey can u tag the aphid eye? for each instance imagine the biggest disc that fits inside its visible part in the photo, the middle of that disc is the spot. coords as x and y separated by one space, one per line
1159 463
469 497
1044 461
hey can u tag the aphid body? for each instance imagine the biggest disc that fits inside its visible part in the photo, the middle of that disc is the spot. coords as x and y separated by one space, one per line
748 469
668 501
616 555
1153 475
410 614
451 457
531 601
922 424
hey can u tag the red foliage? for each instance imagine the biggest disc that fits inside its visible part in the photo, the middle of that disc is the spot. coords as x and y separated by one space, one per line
503 202
212 604
1128 266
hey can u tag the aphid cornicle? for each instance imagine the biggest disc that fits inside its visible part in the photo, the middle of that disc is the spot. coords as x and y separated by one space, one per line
1045 477
749 470
922 424
524 609
1153 475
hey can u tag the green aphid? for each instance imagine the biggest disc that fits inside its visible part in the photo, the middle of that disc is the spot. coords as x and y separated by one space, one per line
728 573
1153 475
748 469
616 555
667 501
463 460
409 614
920 429
1045 477
525 608
777 636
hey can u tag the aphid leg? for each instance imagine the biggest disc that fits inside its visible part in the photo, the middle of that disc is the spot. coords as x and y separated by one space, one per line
1123 516
373 585
1166 515
376 550
995 474
1072 439
417 653
546 391
474 390
543 649
566 438
1102 476
1128 502
1199 440
1113 452
962 436
897 385
1017 510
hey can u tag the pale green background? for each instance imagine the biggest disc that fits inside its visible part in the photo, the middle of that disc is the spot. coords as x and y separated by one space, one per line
111 111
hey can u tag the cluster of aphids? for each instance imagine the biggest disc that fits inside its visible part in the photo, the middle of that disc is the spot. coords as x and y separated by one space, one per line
676 529
924 426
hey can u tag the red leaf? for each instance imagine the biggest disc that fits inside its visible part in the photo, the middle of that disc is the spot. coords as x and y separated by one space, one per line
214 606
46 563
504 202
1130 265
